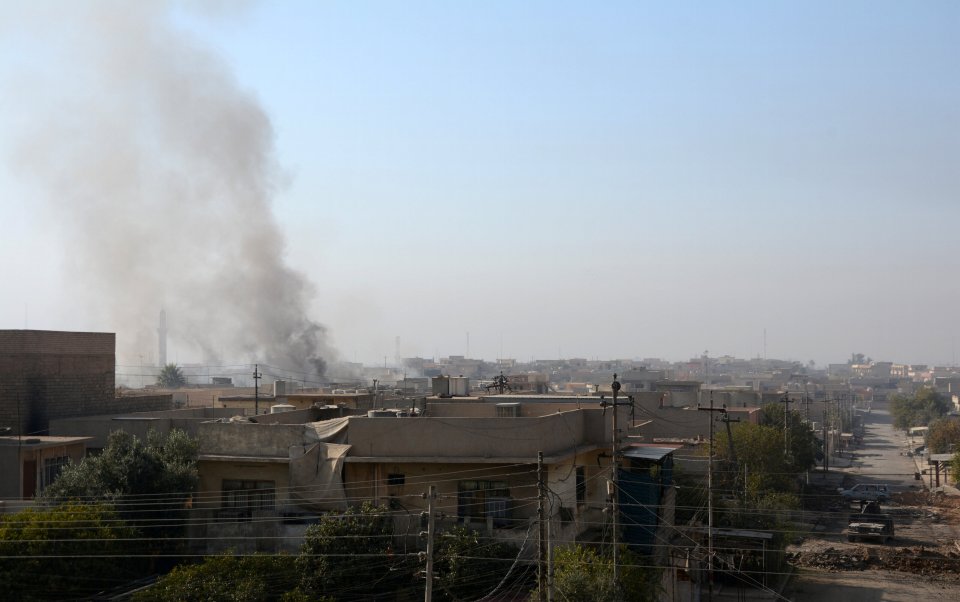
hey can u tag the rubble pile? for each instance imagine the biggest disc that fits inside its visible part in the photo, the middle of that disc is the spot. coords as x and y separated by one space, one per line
915 560
926 498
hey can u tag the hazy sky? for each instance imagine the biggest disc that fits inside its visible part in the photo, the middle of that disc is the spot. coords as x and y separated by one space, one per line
617 179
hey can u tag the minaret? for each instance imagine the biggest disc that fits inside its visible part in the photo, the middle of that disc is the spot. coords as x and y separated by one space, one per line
162 336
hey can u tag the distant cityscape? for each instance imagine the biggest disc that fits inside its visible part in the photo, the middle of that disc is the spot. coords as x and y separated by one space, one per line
861 375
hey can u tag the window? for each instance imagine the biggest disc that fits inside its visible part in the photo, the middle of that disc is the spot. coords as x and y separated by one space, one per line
480 499
395 483
581 485
51 470
246 496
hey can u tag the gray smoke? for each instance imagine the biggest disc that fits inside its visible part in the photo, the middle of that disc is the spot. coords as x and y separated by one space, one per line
160 169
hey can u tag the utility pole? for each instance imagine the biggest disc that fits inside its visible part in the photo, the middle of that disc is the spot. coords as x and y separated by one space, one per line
256 389
613 489
786 422
723 411
726 419
826 446
431 495
615 386
734 468
542 543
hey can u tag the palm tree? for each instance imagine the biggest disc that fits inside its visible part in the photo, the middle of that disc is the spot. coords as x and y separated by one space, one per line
171 377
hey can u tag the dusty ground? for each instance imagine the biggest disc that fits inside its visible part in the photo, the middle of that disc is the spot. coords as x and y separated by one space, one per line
921 563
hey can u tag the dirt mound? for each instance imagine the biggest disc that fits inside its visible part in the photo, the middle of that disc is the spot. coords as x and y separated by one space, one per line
926 498
918 560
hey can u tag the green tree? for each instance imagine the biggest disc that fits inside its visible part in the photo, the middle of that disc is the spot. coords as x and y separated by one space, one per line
920 409
171 377
801 443
66 552
768 459
580 574
227 578
943 436
469 566
350 556
150 481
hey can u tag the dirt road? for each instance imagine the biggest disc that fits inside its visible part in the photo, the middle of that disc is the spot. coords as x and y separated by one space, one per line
921 563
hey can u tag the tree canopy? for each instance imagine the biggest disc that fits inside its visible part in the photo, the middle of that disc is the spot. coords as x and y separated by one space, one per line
349 556
943 436
66 552
128 465
580 574
469 565
768 458
148 481
919 409
227 578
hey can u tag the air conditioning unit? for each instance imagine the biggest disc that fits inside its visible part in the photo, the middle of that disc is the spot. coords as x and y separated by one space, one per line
508 410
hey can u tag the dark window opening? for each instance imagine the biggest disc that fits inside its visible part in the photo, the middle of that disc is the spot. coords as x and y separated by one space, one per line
247 496
477 500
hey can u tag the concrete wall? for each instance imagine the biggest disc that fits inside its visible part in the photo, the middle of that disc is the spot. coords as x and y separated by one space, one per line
487 407
135 423
53 374
46 375
475 437
420 437
677 423
249 439
310 414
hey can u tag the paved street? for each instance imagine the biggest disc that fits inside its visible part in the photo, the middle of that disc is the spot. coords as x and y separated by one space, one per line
881 459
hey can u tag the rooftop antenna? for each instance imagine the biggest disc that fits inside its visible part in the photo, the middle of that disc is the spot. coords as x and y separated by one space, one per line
500 383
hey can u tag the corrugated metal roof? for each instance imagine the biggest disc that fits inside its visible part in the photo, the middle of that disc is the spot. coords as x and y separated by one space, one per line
655 453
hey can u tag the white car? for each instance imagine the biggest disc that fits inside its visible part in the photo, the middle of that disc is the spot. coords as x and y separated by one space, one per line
866 493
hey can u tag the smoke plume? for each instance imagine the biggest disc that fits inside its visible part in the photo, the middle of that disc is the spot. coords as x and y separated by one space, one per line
160 169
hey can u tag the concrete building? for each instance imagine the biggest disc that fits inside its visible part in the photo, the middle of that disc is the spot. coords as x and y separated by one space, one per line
350 398
96 429
259 480
49 374
29 464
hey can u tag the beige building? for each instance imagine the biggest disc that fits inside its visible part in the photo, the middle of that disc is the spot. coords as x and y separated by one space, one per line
263 403
29 464
259 480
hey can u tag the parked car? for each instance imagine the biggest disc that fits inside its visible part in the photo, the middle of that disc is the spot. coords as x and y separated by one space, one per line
867 493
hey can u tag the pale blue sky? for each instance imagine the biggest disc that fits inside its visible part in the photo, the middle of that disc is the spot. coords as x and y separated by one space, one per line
645 179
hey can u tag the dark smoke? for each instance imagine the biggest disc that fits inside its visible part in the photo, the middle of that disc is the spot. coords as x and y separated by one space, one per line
160 171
